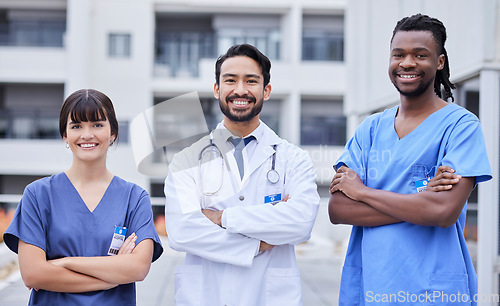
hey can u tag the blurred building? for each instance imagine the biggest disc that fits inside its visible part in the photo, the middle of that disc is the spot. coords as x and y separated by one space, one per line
329 71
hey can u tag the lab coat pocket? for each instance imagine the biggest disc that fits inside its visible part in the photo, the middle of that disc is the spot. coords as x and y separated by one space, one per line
188 285
350 286
283 287
450 289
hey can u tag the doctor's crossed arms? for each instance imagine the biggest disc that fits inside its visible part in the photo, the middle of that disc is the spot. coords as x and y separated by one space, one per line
255 198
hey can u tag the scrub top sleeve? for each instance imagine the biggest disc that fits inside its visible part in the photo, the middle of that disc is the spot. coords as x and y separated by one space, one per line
27 224
141 223
356 150
466 152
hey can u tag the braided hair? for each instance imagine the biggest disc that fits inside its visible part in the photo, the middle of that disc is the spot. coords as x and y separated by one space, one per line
421 22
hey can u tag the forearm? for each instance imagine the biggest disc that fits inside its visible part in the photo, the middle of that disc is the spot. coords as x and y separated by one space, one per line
119 269
424 208
38 273
284 223
60 279
195 234
343 210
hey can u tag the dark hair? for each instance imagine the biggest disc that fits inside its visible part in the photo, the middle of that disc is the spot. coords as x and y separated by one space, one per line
249 51
86 105
421 22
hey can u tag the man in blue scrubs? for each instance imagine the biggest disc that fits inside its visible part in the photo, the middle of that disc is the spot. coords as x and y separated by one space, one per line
407 245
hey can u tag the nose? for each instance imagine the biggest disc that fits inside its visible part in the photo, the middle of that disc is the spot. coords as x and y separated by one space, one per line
241 88
407 62
87 133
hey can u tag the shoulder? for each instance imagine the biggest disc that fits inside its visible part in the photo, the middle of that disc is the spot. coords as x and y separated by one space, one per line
125 187
458 114
47 183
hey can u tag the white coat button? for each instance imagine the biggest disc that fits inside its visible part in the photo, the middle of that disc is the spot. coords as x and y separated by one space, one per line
242 198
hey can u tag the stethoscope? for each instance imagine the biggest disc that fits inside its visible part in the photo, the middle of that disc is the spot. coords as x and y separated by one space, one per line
272 175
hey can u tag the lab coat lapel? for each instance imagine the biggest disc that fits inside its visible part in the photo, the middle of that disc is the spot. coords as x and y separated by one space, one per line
263 151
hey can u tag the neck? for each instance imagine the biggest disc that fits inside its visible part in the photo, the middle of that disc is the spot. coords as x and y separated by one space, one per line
88 172
242 129
426 103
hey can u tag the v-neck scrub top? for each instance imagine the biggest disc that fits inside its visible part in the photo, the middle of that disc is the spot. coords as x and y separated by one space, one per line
52 216
405 263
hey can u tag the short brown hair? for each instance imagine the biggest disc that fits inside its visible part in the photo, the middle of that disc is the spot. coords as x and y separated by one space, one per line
86 105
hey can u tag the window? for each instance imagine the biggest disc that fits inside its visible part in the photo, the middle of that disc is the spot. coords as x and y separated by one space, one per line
119 45
43 28
322 123
323 38
181 41
264 34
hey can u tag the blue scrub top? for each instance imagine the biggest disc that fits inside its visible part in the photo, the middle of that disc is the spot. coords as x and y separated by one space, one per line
53 217
406 263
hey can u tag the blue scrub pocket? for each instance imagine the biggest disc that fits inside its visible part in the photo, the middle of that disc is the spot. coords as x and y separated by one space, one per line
419 172
450 289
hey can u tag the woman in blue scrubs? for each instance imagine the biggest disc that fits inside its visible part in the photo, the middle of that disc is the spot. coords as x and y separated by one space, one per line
68 228
407 245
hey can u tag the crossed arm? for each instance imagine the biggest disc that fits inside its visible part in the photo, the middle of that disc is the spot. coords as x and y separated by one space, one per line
216 217
352 202
84 274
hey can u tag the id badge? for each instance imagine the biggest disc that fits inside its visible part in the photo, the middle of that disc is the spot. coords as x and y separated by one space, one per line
272 198
118 239
421 185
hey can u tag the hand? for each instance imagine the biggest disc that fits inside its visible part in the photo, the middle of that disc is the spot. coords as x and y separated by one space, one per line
128 245
348 182
286 198
213 215
444 179
265 246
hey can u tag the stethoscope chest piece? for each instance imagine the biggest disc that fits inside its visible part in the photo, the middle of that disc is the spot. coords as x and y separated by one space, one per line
273 176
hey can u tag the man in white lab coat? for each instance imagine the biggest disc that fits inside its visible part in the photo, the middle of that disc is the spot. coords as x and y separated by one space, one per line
239 217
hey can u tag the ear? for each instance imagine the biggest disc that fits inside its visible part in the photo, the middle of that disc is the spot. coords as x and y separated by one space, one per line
267 92
441 61
216 91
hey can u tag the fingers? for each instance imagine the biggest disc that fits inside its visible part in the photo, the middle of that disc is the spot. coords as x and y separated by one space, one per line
128 245
286 198
265 246
442 169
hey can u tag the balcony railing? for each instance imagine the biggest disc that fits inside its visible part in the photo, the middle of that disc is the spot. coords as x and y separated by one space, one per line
32 33
29 124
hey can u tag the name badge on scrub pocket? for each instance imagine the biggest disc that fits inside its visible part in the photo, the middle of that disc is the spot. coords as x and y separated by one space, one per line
118 239
272 198
421 185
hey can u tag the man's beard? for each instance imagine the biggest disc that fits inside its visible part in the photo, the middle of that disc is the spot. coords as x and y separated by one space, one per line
241 115
422 87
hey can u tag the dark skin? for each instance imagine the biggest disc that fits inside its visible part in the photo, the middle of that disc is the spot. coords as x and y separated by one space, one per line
345 210
413 65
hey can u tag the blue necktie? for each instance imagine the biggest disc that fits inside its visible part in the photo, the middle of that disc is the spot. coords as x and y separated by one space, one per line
238 148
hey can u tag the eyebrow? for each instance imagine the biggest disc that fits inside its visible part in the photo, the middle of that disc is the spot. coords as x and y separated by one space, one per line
419 49
250 75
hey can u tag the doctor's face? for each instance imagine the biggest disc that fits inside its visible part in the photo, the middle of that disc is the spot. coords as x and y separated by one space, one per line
241 91
414 62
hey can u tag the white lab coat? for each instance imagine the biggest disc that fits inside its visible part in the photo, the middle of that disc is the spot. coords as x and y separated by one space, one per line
223 265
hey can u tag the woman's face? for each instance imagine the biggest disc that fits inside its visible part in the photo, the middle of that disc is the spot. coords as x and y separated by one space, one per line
89 140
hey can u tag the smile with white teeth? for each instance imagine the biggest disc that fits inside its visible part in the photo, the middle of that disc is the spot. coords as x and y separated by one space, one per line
239 103
88 145
411 76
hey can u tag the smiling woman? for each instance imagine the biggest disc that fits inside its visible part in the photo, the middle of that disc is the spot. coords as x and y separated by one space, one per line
84 236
